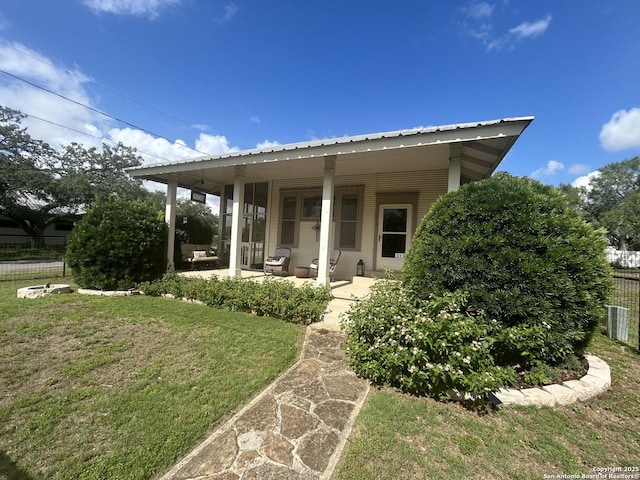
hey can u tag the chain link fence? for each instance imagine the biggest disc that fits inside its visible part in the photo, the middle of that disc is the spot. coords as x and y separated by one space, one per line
23 257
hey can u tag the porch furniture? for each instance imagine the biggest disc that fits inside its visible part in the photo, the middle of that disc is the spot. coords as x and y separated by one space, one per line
278 264
301 271
187 249
200 258
333 262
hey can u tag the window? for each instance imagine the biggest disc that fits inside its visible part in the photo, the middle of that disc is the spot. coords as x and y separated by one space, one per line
311 207
6 223
63 227
288 227
306 206
348 237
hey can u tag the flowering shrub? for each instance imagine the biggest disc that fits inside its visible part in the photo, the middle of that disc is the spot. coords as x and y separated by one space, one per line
274 298
437 347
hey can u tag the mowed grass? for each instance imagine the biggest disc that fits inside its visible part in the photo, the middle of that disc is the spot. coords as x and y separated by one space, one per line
103 387
400 436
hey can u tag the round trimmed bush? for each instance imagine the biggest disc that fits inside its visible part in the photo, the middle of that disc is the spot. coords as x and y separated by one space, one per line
521 254
117 245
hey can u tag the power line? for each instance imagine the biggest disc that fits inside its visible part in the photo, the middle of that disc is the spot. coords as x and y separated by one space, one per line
106 89
90 135
99 111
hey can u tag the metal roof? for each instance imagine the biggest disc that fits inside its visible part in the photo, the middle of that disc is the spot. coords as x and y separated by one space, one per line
484 145
340 141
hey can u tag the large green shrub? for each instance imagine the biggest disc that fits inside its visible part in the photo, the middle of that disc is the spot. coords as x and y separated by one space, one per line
117 245
521 254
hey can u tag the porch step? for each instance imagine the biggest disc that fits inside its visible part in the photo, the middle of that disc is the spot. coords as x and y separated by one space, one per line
331 319
381 274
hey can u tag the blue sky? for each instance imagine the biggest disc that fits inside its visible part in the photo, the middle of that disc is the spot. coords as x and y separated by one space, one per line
216 76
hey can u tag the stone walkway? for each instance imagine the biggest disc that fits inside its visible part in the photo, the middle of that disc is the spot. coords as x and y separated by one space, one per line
296 428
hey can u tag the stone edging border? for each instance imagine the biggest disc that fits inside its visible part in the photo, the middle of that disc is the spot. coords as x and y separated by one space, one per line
107 293
596 381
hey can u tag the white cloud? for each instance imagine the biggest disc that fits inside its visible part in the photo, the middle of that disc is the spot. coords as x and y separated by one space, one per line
255 119
584 180
478 9
213 144
578 169
4 23
49 114
478 24
230 11
151 148
154 149
267 144
138 8
31 66
622 131
531 29
551 168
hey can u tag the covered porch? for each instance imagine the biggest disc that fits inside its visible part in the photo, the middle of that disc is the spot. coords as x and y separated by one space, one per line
363 195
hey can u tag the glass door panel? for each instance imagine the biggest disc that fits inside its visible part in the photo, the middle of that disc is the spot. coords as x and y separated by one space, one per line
394 234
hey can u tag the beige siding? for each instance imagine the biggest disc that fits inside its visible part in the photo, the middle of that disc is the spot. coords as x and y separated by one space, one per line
429 184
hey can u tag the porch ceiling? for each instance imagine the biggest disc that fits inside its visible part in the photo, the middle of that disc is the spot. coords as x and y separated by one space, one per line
483 146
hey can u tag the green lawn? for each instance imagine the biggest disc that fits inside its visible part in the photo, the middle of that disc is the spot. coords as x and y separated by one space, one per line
400 436
101 387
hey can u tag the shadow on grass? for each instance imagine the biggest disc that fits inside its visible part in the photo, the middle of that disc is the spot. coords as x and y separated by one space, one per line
10 470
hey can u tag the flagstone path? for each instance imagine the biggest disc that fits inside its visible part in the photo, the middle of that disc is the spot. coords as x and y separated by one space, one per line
297 427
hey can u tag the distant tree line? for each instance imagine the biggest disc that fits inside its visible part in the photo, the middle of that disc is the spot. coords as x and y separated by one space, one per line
40 185
611 200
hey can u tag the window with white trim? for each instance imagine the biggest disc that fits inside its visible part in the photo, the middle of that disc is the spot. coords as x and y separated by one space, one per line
306 205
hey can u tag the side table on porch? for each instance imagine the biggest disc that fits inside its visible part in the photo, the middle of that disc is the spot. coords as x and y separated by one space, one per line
301 272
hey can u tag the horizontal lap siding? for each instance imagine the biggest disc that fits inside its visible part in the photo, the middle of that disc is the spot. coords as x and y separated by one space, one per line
430 184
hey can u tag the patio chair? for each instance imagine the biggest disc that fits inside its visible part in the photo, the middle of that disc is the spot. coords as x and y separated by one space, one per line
278 264
333 262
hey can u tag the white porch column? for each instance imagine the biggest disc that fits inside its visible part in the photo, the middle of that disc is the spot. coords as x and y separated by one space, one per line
170 218
455 166
324 254
235 269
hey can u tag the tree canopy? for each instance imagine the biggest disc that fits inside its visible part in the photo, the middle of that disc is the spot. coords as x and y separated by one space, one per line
39 185
612 201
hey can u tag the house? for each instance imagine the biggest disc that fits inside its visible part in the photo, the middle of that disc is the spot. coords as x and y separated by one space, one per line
363 195
12 234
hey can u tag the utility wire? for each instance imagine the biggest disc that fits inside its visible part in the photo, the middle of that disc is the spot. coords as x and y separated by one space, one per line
90 135
98 111
106 89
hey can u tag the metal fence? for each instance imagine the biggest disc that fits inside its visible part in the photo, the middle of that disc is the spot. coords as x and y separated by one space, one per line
622 320
24 257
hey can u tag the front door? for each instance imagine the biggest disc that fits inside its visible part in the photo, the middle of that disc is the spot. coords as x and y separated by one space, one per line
394 235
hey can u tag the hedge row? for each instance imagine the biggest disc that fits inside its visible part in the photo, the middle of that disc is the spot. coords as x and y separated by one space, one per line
273 297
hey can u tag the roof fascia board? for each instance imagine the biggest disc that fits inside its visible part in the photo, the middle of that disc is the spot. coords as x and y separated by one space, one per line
348 145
